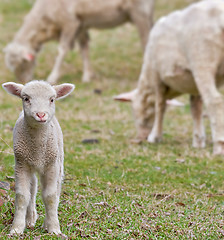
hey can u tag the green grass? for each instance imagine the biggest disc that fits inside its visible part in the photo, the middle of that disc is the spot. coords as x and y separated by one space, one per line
115 189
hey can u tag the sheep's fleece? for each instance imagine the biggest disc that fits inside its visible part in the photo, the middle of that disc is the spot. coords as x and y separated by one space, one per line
184 54
38 147
68 21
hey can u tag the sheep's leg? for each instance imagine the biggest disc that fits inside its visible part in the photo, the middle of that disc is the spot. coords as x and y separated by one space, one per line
31 215
198 126
214 102
143 21
23 180
83 40
66 43
51 200
160 107
144 100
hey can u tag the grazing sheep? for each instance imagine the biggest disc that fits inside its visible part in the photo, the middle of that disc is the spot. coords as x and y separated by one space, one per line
67 21
38 147
184 54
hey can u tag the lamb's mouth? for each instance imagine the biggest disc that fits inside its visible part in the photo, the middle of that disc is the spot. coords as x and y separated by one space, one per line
42 121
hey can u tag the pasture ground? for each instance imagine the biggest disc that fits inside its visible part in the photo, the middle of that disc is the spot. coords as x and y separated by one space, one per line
115 189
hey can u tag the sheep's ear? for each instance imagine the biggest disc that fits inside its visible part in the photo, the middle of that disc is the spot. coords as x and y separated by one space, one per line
64 90
126 97
13 88
5 49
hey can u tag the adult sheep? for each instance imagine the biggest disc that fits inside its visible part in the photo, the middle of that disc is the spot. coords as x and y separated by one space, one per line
68 21
184 54
38 147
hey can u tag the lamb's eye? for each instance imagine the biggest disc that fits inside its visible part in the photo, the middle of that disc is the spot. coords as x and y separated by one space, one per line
52 100
26 99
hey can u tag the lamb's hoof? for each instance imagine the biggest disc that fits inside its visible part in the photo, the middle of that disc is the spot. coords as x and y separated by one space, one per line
15 231
31 220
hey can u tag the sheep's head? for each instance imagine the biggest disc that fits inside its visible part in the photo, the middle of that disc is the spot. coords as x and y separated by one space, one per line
20 60
144 115
38 99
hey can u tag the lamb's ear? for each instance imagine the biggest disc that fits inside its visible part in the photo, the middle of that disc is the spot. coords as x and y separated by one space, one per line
63 90
13 88
126 97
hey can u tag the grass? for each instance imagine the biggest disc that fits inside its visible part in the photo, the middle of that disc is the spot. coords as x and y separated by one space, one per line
115 189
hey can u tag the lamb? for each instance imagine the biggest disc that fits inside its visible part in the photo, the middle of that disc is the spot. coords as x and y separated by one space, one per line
184 54
38 147
68 21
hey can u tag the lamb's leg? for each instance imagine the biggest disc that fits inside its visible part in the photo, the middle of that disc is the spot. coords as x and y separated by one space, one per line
51 200
214 102
66 43
198 126
31 215
160 107
23 181
83 40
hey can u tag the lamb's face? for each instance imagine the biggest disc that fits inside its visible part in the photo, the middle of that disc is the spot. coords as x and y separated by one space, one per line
38 99
20 61
38 102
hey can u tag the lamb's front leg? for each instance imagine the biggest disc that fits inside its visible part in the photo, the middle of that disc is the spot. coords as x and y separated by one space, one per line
23 180
198 126
50 196
31 215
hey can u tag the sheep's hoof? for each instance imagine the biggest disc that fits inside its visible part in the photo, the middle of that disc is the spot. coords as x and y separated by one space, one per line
87 77
218 148
55 231
136 141
52 79
154 139
198 144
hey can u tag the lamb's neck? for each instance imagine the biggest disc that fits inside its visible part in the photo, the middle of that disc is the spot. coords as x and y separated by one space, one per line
37 131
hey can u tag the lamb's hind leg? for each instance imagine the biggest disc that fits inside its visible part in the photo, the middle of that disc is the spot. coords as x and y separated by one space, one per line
31 214
214 102
50 196
198 126
23 180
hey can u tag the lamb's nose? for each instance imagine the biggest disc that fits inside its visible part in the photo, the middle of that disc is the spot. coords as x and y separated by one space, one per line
40 115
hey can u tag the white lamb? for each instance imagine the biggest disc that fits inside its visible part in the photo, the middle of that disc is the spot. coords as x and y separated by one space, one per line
68 21
184 54
38 147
